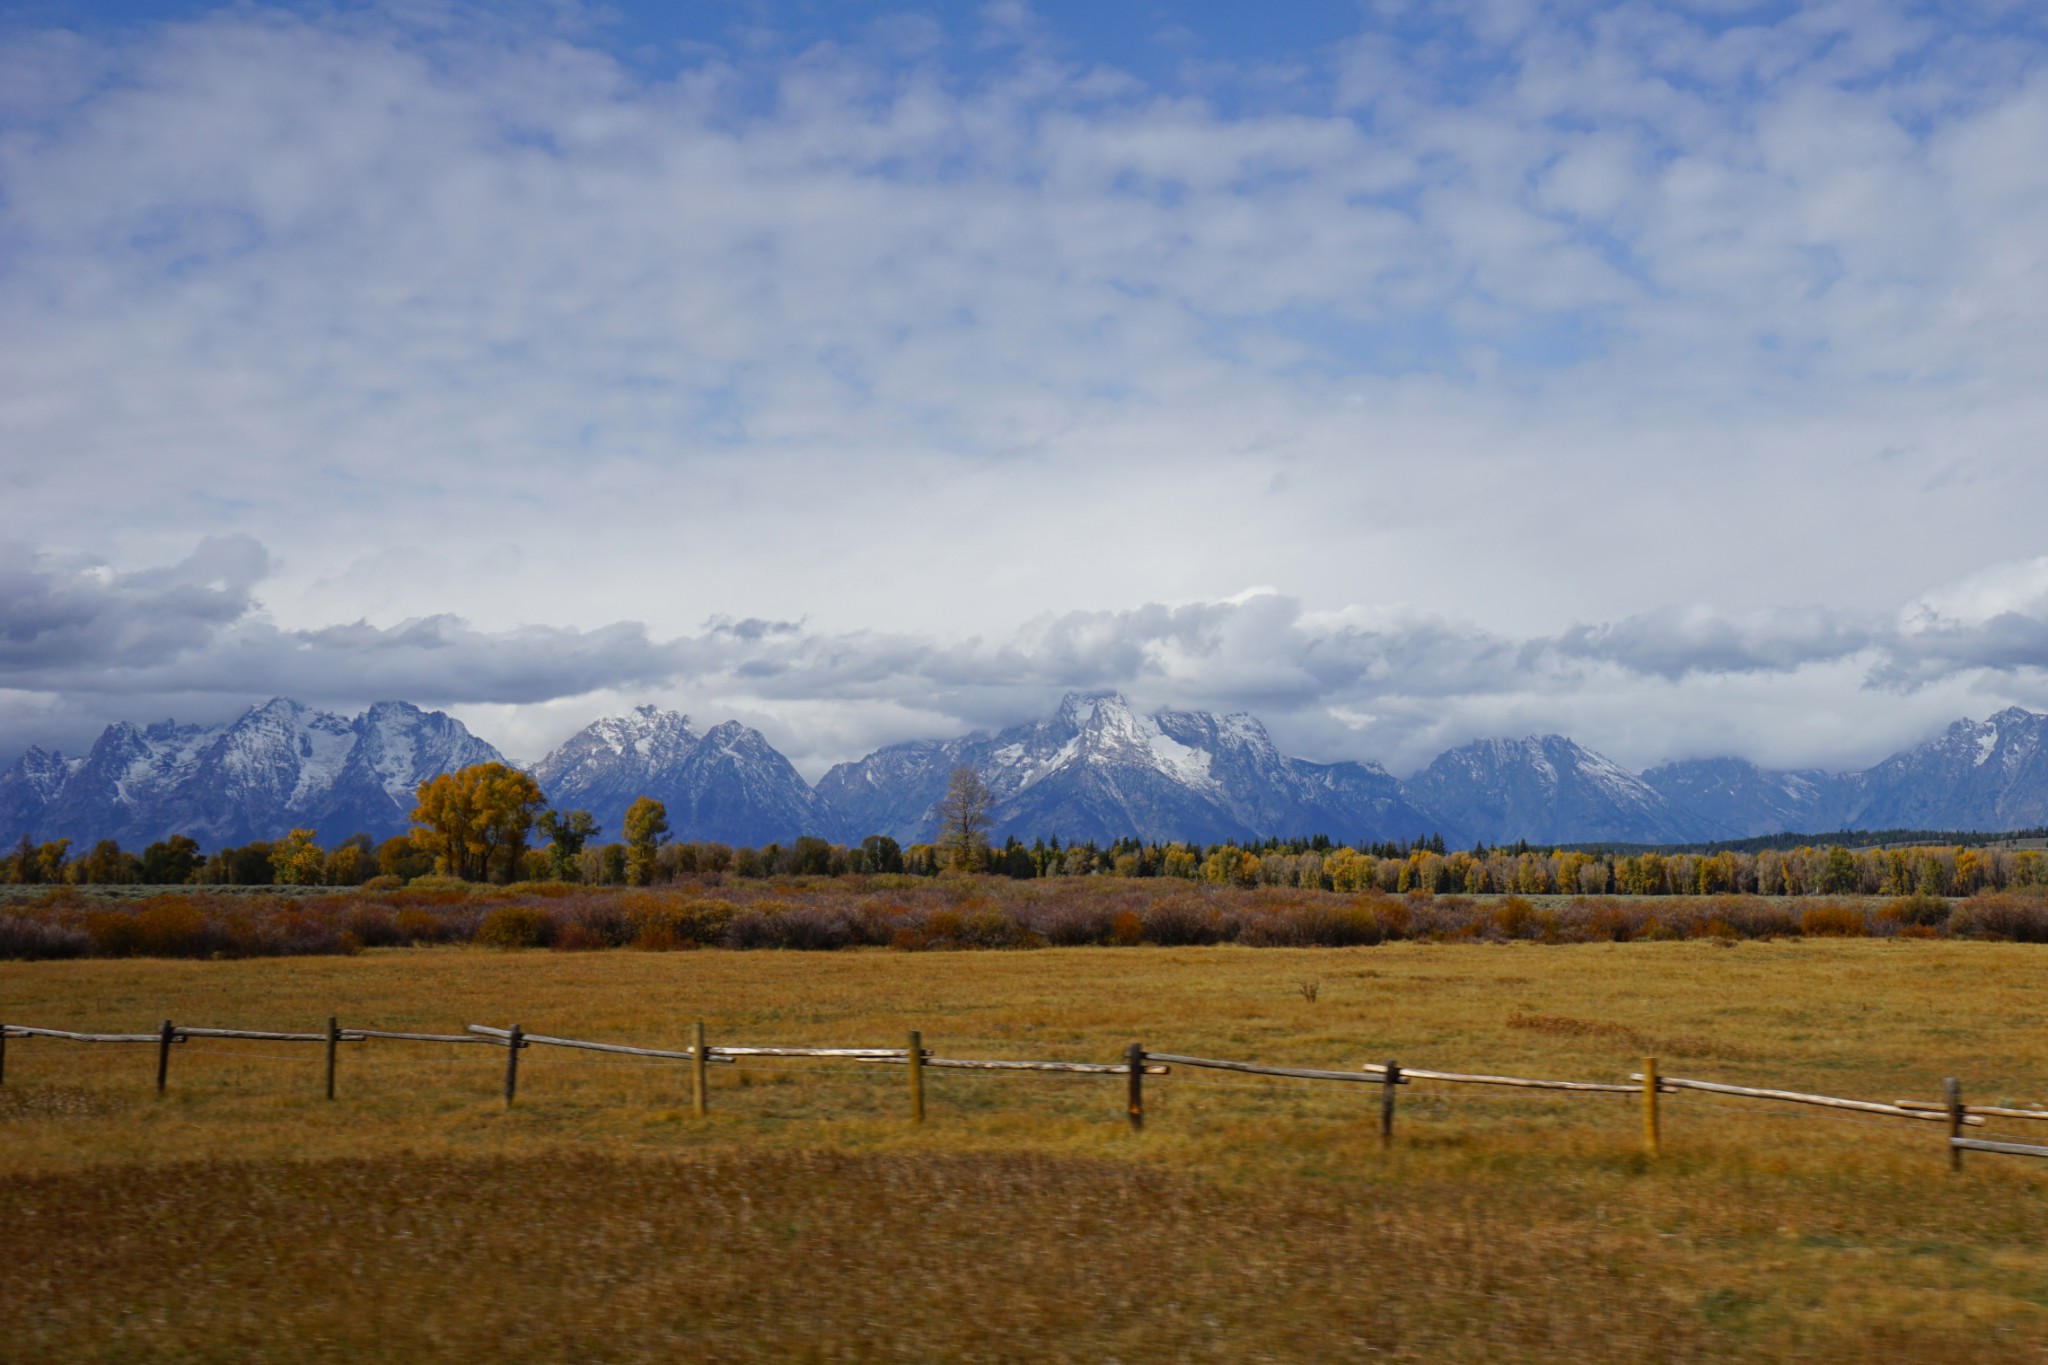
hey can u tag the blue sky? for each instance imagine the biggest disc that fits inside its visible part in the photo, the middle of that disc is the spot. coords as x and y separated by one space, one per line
1666 375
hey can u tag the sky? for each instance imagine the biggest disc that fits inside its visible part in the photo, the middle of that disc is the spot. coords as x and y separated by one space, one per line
1665 375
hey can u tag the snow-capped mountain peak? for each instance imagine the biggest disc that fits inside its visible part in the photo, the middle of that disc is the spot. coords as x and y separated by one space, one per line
1099 769
728 784
279 766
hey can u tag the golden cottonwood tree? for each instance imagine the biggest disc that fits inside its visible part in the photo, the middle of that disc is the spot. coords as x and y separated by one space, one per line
296 860
646 826
476 820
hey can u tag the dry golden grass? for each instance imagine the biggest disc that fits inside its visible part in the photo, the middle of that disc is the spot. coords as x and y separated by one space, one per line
242 1217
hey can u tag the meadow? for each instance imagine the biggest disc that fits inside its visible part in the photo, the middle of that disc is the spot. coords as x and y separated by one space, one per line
242 1216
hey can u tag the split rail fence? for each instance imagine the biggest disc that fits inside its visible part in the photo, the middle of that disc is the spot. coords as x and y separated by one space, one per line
1137 1064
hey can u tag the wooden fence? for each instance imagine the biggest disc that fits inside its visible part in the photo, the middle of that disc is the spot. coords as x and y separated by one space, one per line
1138 1063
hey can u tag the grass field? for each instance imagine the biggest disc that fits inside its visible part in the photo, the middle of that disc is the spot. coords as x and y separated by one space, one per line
243 1217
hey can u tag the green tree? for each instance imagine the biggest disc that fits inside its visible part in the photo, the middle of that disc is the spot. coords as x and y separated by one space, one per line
1838 873
880 853
107 865
810 856
566 835
646 825
401 856
296 860
50 860
965 813
172 861
351 862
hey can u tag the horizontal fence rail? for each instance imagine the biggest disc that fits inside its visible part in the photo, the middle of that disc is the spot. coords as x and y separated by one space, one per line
1991 1110
1521 1082
1963 1144
503 1038
1671 1084
1369 1075
24 1031
425 1037
1071 1068
1138 1063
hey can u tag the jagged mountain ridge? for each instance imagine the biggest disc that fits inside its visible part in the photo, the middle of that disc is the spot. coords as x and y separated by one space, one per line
728 784
1745 800
1978 774
1098 770
277 767
1547 787
1095 769
1983 774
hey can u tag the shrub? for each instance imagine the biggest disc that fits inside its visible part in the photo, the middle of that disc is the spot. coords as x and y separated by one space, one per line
415 925
1755 917
2023 919
1917 910
1832 921
515 926
1177 924
579 937
1514 917
750 929
170 926
374 926
1074 926
816 930
35 941
704 920
1608 921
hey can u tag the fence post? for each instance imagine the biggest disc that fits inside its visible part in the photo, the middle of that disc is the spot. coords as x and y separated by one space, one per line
700 1099
1952 1095
915 1056
163 1056
333 1037
1652 1136
3 1054
512 1046
1391 1079
1135 1056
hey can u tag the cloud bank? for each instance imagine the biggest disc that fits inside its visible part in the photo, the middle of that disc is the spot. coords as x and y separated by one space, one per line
1348 684
1553 361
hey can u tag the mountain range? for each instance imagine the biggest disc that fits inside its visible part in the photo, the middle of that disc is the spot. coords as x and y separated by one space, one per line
1096 769
280 766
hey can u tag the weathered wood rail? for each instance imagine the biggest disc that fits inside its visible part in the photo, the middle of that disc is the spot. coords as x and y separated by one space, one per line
1672 1084
1138 1063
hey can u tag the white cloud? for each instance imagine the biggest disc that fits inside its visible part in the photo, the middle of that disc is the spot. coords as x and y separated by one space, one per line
78 642
1534 320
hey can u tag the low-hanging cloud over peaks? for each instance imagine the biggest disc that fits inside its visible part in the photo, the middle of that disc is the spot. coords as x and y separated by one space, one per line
90 646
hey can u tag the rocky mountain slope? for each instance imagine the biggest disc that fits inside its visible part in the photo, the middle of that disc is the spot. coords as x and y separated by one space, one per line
1098 770
1741 799
279 766
1547 788
1983 774
728 784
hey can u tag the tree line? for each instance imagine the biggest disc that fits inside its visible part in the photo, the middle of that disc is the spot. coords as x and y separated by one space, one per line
478 825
